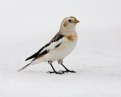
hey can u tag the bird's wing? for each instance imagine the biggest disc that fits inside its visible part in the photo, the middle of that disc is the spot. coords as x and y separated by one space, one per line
54 43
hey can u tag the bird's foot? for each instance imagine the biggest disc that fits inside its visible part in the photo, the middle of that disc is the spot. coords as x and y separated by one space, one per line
71 71
59 72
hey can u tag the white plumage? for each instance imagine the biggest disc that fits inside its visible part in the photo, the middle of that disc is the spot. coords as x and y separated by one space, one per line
59 53
59 47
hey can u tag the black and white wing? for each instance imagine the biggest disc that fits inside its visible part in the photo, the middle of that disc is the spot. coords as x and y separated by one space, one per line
53 44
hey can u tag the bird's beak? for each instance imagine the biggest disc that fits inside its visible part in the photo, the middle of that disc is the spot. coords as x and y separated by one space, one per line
76 21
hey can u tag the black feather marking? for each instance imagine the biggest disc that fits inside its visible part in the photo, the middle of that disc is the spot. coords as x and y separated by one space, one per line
43 53
37 53
57 37
57 45
32 56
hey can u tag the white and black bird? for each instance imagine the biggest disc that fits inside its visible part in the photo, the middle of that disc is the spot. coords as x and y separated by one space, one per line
59 47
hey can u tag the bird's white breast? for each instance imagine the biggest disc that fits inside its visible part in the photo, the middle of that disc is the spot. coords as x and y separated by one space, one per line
62 51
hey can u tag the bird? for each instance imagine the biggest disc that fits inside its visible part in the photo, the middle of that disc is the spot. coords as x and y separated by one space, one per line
61 45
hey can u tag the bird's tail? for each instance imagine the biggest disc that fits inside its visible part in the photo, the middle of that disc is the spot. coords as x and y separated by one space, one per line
34 61
24 67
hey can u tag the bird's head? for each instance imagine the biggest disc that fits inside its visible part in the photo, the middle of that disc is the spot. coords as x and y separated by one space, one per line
69 23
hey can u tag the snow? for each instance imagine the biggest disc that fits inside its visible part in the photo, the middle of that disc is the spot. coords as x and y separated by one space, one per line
26 25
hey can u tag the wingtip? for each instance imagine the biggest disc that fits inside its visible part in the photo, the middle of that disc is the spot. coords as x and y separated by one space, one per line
26 59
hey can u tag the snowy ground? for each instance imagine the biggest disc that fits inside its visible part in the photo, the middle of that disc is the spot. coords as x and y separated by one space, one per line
26 25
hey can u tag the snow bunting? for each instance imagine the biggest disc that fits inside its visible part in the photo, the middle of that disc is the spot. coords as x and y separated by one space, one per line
59 47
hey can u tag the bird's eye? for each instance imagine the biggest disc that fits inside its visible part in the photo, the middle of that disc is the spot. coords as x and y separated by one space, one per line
69 20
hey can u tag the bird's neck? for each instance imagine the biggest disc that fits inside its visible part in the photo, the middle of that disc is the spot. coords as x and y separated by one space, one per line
68 31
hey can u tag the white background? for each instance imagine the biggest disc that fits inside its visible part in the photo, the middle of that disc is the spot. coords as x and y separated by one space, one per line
27 25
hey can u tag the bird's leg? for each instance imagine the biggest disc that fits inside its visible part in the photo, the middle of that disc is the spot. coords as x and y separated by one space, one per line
67 70
54 71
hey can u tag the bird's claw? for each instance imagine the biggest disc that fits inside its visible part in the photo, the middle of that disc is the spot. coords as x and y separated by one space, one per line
59 72
71 71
